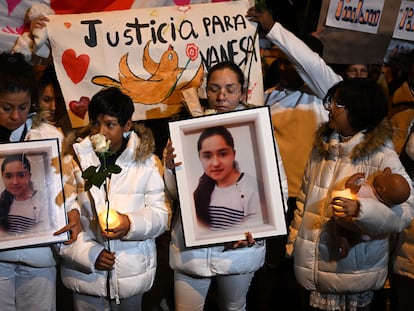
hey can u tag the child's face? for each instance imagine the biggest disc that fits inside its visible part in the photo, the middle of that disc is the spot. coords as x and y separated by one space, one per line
16 178
111 129
14 109
217 159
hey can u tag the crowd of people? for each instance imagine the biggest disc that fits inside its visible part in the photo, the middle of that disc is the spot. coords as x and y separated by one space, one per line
332 124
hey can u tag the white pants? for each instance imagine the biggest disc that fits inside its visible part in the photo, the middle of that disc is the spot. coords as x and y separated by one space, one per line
27 288
94 303
190 292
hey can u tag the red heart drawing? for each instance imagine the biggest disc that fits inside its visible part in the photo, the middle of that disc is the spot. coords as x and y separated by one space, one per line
75 67
67 25
79 108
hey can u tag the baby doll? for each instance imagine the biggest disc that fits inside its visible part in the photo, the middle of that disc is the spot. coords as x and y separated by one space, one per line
387 187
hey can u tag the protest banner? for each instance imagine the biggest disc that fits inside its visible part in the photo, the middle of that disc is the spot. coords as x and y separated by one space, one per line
14 13
356 15
151 54
343 40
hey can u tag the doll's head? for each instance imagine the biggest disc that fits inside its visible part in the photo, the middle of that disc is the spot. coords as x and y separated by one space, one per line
391 188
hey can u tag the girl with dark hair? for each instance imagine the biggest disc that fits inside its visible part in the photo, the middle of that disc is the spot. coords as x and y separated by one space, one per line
224 197
22 209
356 94
51 100
357 138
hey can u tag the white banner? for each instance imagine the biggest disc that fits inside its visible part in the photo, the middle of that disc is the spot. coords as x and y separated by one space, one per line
358 15
151 54
347 46
13 13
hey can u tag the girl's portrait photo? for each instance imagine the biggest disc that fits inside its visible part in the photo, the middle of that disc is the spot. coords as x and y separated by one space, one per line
230 184
22 207
31 194
225 196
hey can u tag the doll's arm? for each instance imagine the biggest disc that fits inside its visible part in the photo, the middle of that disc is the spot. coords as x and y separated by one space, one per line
354 182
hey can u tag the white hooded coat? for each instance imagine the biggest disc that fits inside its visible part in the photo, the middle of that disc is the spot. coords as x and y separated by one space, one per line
138 192
331 163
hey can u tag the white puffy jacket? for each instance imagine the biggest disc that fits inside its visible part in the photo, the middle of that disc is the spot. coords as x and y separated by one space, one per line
138 192
331 163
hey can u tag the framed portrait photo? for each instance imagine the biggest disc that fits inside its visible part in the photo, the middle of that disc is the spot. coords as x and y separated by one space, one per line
229 180
31 194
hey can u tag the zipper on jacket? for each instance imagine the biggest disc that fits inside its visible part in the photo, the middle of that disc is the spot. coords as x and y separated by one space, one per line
114 277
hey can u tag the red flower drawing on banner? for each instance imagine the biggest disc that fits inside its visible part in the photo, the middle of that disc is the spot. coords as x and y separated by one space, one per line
191 50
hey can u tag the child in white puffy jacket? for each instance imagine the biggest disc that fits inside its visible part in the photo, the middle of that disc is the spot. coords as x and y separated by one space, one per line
112 265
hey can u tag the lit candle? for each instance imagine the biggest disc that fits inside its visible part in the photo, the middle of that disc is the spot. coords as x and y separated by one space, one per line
346 193
113 219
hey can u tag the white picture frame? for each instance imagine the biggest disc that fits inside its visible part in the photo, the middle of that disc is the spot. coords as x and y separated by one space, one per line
46 212
256 155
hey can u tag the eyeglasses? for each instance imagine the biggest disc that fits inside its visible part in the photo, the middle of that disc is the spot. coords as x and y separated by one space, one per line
328 103
230 90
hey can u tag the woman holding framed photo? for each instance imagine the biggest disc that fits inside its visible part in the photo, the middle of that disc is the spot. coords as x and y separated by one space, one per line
231 265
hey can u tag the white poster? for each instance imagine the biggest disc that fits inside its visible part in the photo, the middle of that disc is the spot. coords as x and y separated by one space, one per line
14 13
358 15
347 46
151 54
404 25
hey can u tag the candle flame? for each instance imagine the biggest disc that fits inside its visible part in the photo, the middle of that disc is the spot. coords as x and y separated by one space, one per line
113 219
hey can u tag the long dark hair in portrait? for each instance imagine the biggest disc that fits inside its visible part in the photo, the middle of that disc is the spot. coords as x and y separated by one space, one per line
202 194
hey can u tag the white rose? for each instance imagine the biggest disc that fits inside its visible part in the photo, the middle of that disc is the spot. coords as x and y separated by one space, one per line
100 144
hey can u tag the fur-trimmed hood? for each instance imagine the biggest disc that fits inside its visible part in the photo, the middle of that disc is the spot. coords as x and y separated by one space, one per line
144 149
39 117
371 141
